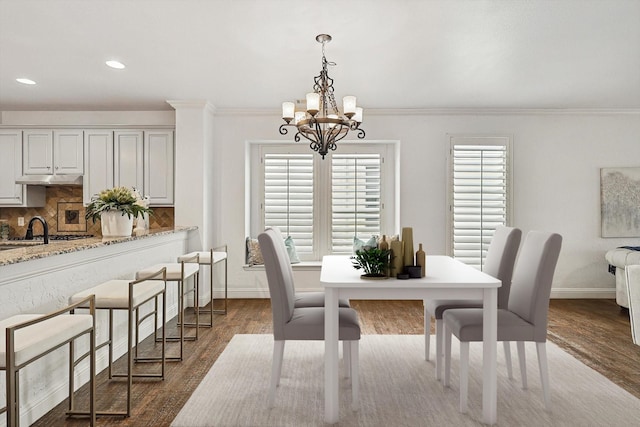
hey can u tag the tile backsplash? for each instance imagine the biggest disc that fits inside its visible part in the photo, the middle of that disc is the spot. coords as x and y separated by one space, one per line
64 213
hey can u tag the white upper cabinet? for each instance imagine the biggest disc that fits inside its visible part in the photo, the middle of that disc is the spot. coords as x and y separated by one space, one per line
12 194
49 152
98 163
68 152
10 167
128 162
144 160
159 167
38 152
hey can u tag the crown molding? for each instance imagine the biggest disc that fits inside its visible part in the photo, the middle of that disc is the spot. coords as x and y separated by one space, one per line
448 111
193 103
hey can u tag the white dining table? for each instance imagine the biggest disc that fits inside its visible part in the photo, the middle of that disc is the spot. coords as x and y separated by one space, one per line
446 278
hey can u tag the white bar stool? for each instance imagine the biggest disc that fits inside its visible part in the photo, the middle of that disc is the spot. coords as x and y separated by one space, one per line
130 296
210 258
32 336
180 273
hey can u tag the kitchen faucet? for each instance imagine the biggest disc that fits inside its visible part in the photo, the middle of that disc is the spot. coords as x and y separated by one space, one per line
45 227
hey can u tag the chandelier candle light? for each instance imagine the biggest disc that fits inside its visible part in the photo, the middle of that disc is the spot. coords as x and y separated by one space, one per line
322 123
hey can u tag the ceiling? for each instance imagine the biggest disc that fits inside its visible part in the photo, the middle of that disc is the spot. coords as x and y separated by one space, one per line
254 54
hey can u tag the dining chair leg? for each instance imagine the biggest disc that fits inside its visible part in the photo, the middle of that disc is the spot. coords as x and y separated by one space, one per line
447 355
355 374
507 358
427 332
440 336
346 358
276 370
464 375
541 349
522 357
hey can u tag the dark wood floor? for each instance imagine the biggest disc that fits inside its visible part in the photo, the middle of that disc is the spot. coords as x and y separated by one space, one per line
597 332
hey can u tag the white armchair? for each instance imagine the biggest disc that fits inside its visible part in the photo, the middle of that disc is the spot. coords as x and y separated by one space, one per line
620 258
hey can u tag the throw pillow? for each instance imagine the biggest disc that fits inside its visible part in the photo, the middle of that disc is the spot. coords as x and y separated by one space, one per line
357 245
254 256
291 250
360 245
371 243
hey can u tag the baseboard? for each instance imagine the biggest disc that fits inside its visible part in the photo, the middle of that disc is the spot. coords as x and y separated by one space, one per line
583 293
243 294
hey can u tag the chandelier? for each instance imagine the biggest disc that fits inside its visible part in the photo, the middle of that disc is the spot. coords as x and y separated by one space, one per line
322 123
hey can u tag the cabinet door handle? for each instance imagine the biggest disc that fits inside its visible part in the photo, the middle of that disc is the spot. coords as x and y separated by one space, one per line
56 167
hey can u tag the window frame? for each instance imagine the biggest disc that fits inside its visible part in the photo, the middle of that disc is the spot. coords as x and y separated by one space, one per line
475 139
255 193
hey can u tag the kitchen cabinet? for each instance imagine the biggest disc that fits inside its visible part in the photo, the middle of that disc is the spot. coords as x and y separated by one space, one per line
159 167
128 162
98 163
53 152
12 194
143 159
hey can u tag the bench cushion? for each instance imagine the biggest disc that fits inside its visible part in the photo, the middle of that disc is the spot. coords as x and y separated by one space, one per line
115 293
174 270
37 339
205 257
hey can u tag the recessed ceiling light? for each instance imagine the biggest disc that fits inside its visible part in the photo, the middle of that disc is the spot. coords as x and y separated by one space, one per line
115 64
25 81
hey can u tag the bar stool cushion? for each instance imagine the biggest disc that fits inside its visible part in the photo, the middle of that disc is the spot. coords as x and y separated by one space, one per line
115 293
35 340
205 256
174 270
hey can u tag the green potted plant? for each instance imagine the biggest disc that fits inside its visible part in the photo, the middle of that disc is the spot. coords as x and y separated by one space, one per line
116 208
373 261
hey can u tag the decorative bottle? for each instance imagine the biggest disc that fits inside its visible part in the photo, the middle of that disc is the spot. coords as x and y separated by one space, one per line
383 245
397 265
421 259
407 241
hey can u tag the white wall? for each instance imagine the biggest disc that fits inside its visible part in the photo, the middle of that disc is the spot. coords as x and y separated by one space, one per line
557 158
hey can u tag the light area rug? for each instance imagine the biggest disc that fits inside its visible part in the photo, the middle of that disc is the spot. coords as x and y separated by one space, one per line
398 388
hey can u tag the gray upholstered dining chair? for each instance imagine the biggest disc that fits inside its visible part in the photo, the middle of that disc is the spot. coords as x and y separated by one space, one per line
304 299
301 323
633 285
524 319
498 263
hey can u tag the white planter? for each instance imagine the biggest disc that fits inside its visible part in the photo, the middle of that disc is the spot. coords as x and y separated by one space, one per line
114 224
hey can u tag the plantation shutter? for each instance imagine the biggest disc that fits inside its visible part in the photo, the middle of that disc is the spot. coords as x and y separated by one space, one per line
356 205
288 197
479 199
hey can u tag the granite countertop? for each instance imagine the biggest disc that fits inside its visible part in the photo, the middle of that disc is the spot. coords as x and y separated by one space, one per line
38 250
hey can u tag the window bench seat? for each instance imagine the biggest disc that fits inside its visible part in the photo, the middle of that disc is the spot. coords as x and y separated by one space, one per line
304 265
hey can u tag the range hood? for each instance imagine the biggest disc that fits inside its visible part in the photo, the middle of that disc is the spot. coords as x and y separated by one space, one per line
50 180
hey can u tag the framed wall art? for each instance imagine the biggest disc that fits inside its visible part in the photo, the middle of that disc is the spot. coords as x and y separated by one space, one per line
620 202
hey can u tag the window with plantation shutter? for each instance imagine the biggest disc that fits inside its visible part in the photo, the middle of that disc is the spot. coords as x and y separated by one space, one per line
479 193
322 204
288 196
355 199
